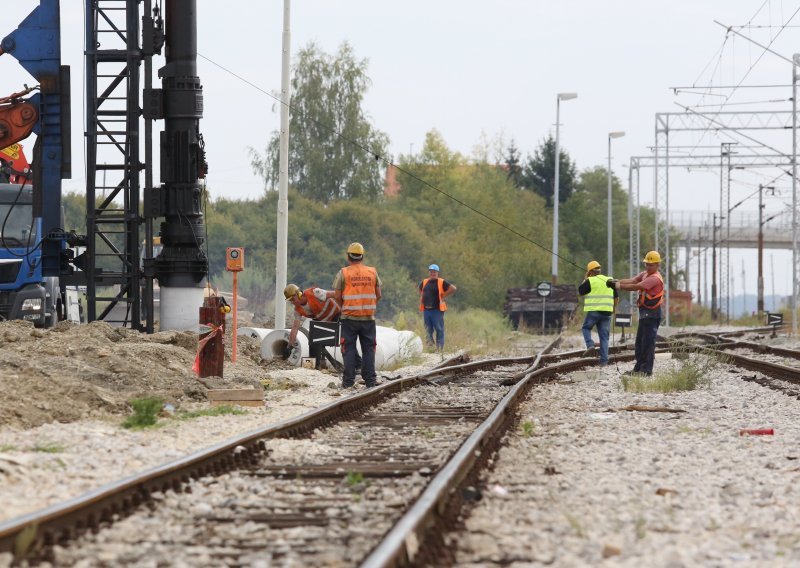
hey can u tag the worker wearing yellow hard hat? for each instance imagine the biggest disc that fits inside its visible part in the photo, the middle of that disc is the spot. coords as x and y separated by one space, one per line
598 306
358 290
312 303
650 286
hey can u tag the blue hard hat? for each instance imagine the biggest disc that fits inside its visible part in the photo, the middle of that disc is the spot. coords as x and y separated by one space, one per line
434 267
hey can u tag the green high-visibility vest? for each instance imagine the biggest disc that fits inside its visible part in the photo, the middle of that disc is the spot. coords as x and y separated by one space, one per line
601 297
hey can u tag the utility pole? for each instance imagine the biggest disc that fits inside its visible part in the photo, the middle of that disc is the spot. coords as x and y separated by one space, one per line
699 265
744 291
283 175
705 269
714 313
795 239
760 305
760 302
772 278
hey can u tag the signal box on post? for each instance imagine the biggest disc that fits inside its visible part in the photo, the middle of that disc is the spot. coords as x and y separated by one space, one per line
234 259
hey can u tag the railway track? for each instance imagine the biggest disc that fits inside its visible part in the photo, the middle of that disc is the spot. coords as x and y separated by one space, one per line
40 534
527 478
379 448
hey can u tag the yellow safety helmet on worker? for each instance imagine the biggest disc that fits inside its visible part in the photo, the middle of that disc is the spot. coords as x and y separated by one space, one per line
355 251
592 265
652 257
292 291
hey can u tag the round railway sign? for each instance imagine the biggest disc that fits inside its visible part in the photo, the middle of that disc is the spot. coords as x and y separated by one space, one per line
544 289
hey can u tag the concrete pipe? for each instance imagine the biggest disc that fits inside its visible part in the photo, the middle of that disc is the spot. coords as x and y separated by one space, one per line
380 358
255 332
410 344
276 342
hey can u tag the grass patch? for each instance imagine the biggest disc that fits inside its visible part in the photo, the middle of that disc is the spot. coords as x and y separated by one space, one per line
692 367
475 330
527 428
220 410
145 413
427 433
47 448
669 381
7 448
353 478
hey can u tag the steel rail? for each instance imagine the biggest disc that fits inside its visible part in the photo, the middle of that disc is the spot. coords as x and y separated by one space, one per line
442 497
773 370
64 521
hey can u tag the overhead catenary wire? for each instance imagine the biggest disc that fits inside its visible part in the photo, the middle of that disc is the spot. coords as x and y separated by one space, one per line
766 49
382 158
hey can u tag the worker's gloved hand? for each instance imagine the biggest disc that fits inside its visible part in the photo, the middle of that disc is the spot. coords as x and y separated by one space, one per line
290 348
611 283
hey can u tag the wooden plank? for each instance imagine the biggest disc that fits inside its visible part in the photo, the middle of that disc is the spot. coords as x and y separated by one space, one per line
236 394
255 403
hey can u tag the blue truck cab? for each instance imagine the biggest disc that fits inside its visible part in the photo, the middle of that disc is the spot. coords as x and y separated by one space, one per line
24 293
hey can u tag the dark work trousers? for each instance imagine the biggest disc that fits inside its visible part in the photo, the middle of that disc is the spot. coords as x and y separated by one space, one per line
364 332
646 341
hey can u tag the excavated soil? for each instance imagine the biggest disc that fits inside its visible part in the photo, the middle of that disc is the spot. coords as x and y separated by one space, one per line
70 372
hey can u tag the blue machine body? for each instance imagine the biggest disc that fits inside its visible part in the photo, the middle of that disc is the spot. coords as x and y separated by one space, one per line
36 44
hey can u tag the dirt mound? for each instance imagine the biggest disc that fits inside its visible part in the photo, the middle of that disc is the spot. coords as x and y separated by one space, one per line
73 372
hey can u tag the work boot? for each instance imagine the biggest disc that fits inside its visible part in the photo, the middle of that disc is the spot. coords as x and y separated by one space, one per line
344 386
590 352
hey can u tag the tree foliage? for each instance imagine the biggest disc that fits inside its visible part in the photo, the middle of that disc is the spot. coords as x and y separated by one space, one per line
332 143
539 172
584 221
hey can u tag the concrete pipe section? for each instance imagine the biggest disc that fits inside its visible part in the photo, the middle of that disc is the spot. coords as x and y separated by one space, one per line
393 347
180 308
255 332
276 344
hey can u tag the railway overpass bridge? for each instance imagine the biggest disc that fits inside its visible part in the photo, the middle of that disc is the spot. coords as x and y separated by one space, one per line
695 229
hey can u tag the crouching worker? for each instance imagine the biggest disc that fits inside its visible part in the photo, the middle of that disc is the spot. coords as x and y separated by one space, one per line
598 305
650 285
312 303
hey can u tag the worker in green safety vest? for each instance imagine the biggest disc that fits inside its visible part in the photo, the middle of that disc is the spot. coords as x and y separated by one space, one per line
598 305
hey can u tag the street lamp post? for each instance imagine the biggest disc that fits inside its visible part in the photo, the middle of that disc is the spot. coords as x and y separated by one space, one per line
559 98
610 259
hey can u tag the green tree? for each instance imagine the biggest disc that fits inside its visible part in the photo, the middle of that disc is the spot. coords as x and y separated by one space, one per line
513 167
585 223
333 147
539 172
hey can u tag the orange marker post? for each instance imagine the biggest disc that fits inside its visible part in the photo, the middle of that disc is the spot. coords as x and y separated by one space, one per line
234 262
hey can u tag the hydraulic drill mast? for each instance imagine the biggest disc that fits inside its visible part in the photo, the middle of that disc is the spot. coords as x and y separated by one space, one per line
114 108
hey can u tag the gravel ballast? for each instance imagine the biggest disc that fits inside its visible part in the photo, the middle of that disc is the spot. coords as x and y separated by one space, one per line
591 484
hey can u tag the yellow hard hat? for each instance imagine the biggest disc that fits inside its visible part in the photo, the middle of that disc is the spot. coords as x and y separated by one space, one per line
355 249
291 291
592 265
652 257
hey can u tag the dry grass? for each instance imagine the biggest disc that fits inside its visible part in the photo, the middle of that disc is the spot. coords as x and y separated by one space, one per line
693 365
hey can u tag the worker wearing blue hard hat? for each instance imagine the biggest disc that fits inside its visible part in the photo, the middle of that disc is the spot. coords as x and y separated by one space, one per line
432 292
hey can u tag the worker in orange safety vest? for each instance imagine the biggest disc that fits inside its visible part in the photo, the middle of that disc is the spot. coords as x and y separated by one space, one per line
357 288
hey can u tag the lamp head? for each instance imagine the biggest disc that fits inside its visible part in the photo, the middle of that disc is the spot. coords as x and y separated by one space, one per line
567 96
617 134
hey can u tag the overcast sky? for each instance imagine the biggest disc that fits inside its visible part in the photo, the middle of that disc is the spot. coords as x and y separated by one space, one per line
475 69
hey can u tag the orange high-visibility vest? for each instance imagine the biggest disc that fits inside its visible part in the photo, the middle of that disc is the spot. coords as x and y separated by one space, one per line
358 297
442 305
314 308
651 302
